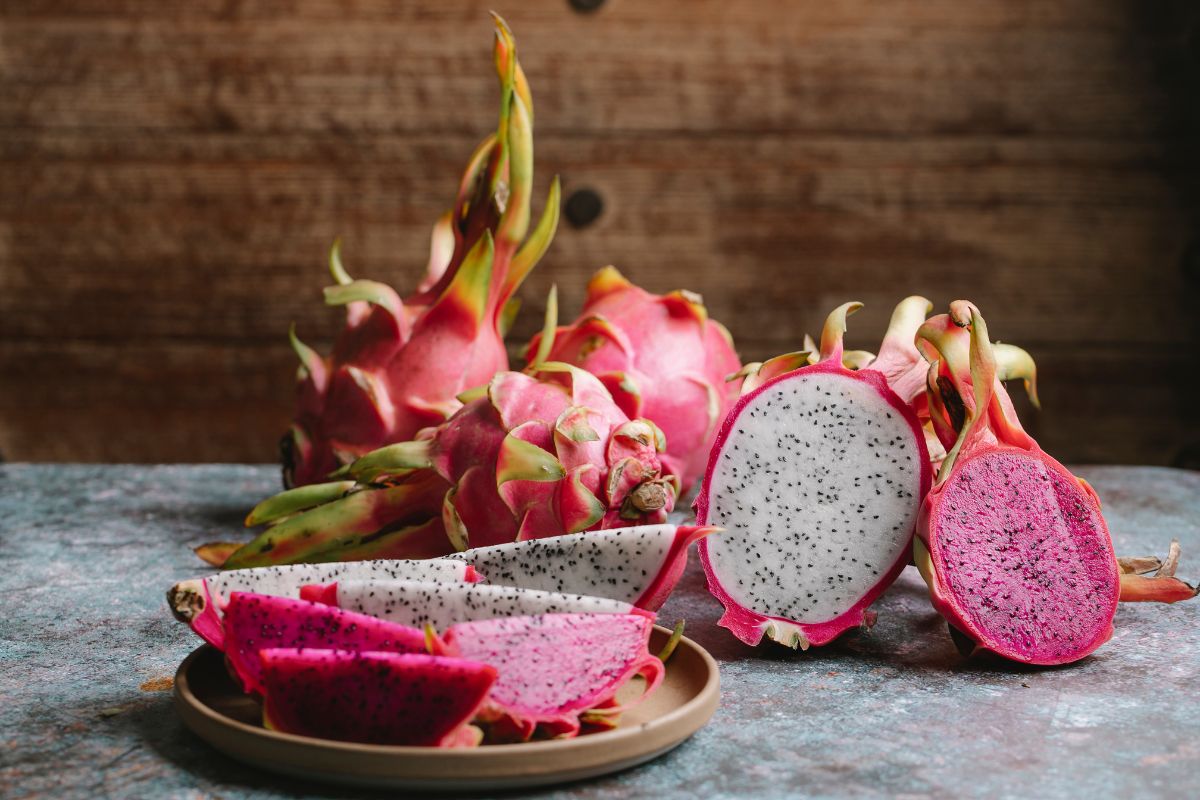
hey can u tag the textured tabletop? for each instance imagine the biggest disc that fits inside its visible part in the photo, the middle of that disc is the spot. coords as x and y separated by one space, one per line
87 649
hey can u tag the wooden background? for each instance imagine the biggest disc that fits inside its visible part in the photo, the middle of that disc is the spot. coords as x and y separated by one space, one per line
173 174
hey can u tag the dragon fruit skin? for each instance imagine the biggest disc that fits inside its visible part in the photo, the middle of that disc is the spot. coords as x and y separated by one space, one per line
200 602
773 484
528 456
417 604
374 697
639 565
661 357
1014 548
255 622
398 365
554 667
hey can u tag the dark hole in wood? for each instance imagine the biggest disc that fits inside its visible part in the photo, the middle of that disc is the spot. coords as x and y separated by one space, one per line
583 207
585 6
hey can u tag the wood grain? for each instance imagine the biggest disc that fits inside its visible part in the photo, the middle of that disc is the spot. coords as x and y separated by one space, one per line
173 174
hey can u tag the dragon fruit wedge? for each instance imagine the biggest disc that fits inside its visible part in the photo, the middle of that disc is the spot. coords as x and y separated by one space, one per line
201 602
441 605
555 667
817 477
257 622
528 456
1013 546
398 365
660 356
638 565
373 697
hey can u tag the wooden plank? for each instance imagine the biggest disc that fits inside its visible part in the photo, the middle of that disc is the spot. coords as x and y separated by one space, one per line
876 69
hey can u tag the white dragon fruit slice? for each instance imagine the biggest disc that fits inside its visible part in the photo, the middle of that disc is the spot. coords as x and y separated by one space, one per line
817 476
200 602
639 565
421 603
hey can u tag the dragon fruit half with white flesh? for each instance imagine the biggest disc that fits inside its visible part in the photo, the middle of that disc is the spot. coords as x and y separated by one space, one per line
639 565
553 668
817 476
441 605
201 602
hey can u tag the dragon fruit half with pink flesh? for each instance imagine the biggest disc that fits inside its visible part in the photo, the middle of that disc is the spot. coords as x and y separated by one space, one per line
660 356
399 364
528 456
817 476
553 668
201 602
256 622
374 697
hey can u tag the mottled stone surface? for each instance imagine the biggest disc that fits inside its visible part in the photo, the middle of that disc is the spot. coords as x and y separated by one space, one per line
87 552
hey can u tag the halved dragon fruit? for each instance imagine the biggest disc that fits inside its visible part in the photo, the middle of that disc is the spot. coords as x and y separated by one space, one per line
376 698
817 477
200 602
444 604
1013 546
257 622
554 667
638 565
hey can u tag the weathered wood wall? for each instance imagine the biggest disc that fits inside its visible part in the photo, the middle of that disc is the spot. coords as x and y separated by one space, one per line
173 173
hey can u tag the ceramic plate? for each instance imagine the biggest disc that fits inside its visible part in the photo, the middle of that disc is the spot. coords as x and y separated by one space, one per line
216 710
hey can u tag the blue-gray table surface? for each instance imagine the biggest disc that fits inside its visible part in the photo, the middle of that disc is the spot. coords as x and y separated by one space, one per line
86 553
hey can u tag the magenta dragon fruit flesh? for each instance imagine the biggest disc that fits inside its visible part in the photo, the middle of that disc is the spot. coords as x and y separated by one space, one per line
817 476
441 605
200 602
555 667
256 622
639 565
374 697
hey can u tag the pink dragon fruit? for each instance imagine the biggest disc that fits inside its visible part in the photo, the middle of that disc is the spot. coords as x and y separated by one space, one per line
638 565
399 365
817 475
417 604
528 456
660 356
257 622
374 697
201 602
1148 579
555 667
1013 546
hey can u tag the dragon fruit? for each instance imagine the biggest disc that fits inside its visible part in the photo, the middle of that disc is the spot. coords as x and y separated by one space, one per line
660 356
529 456
200 602
399 364
638 565
256 622
441 605
817 475
554 667
1014 548
1139 586
374 697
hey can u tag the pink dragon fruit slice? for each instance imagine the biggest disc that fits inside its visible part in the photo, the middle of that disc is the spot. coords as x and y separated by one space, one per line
817 477
1013 546
200 602
554 667
374 698
639 565
441 605
257 622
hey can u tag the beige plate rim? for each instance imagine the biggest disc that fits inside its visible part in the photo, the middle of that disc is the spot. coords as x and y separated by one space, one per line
692 675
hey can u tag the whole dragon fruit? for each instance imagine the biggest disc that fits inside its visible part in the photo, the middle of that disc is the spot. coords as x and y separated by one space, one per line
1014 548
555 668
660 356
374 697
528 456
398 366
817 476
